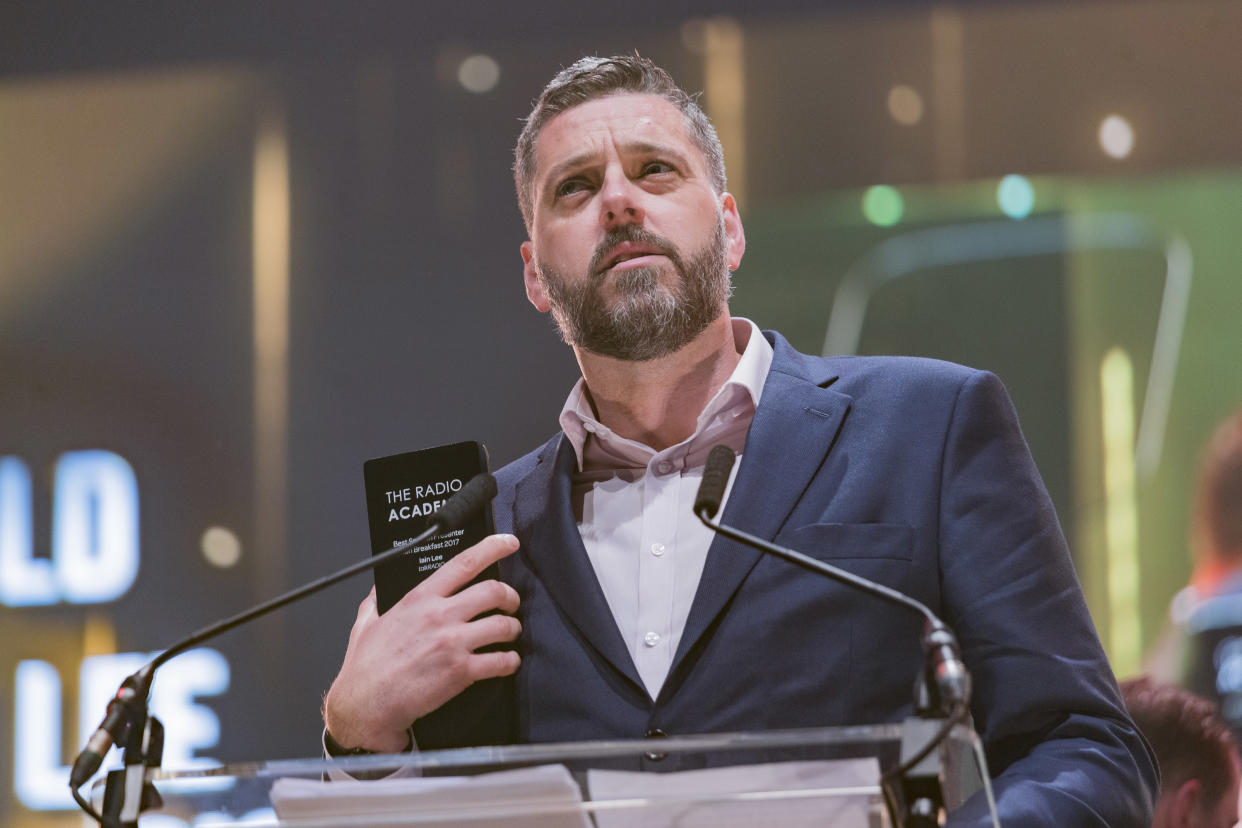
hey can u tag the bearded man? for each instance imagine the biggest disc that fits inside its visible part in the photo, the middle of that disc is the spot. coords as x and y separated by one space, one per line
629 617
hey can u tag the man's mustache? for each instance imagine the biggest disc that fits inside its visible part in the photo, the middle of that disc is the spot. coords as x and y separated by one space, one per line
631 233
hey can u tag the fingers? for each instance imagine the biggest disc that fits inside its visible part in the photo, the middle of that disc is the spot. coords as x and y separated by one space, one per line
465 566
492 665
402 665
491 629
479 598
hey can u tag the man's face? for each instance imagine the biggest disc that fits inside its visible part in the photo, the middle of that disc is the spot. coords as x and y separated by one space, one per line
630 246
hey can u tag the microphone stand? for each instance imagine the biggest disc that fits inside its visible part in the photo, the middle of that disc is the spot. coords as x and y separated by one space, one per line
141 735
941 690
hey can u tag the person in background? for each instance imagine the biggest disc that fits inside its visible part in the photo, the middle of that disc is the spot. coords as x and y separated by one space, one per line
1198 754
1202 648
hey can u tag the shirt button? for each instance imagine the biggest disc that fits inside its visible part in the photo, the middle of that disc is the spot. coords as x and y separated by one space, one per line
651 639
664 467
657 549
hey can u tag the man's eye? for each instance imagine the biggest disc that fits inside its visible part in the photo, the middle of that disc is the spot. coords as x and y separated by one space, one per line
656 167
570 186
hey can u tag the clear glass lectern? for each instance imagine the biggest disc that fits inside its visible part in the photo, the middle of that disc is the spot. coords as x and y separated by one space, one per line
820 776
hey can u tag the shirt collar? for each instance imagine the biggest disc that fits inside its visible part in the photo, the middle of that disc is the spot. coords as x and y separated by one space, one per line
741 390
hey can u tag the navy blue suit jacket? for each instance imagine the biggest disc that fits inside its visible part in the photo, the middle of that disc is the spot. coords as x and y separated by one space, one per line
911 472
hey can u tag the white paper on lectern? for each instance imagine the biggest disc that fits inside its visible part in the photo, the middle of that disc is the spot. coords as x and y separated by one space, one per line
717 797
461 800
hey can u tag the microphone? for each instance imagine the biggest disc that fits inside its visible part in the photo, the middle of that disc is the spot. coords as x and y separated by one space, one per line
945 665
132 692
459 508
950 679
715 480
130 699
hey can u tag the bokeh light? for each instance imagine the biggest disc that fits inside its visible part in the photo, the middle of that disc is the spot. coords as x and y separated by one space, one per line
478 74
1116 136
905 104
1016 196
221 547
883 205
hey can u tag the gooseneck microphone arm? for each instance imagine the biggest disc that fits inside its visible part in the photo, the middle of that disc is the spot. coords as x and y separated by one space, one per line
953 681
129 703
943 687
707 512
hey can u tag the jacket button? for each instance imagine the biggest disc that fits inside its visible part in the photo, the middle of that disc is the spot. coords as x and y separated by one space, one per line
655 756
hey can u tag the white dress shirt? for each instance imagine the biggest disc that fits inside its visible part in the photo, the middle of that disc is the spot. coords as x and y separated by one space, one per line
634 508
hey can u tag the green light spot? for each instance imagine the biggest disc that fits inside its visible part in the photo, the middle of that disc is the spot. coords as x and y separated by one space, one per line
1016 196
883 205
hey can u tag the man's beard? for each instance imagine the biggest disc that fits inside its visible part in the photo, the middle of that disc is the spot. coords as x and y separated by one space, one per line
646 320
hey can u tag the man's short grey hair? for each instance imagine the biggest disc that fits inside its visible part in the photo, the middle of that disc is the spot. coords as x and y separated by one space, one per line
594 77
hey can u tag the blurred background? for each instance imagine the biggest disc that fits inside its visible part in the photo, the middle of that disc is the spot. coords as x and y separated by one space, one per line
246 246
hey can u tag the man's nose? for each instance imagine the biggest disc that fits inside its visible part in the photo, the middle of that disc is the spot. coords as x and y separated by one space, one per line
621 201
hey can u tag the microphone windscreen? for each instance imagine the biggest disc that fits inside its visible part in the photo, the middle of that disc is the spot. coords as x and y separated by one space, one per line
715 479
460 507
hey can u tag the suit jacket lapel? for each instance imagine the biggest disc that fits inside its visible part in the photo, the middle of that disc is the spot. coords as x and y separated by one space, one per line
553 549
794 427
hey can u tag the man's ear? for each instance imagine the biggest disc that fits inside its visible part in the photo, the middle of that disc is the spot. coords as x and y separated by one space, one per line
1187 799
735 236
530 275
